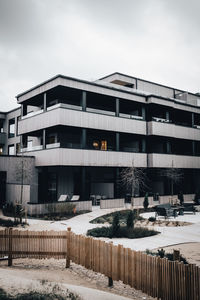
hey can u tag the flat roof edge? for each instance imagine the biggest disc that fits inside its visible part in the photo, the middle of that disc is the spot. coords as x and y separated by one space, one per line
166 86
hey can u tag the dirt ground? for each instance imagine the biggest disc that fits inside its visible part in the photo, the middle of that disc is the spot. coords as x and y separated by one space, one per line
54 271
191 251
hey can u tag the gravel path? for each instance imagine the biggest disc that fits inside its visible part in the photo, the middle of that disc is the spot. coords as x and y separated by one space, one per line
26 274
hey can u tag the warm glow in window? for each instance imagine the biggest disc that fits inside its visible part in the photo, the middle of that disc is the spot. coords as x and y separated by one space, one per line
96 145
103 145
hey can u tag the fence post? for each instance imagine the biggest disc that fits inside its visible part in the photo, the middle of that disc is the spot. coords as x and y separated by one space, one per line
110 280
10 247
176 255
68 247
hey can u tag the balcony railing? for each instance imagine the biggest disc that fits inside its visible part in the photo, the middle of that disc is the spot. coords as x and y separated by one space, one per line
160 120
128 116
64 105
31 114
34 148
53 145
100 111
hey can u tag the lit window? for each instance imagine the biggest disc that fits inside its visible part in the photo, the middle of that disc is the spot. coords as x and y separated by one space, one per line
11 128
104 145
11 150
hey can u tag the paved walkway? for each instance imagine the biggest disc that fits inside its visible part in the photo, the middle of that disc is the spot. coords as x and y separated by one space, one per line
168 236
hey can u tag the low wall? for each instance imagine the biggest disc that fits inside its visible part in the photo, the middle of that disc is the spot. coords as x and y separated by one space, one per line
111 203
162 200
48 208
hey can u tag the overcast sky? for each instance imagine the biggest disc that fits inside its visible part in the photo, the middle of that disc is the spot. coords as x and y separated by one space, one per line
157 40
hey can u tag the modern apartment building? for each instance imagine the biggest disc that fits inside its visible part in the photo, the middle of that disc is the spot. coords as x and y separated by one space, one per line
83 133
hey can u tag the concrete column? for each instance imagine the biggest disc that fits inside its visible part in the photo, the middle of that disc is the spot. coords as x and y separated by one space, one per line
192 119
143 145
143 113
23 109
167 115
44 138
83 183
117 141
84 138
168 146
16 126
117 107
116 183
45 102
84 100
193 148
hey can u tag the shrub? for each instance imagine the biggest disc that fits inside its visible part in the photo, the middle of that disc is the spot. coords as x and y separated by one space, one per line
115 225
152 219
100 232
10 223
130 219
123 232
146 201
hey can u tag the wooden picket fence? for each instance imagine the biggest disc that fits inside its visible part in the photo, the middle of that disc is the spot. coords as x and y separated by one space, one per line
154 276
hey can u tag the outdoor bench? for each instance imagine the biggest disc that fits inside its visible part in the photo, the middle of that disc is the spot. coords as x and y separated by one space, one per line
165 210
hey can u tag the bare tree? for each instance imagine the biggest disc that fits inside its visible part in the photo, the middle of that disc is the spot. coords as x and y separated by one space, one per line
23 175
23 172
133 178
174 175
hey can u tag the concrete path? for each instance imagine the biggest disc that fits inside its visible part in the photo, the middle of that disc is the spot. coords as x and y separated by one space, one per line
168 236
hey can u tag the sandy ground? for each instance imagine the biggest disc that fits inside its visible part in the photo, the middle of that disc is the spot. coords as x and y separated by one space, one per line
32 274
191 251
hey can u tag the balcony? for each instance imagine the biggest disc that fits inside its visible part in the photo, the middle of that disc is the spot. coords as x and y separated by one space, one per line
77 157
163 128
60 115
179 161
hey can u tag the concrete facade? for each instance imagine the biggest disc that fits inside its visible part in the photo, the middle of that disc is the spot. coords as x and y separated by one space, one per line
82 134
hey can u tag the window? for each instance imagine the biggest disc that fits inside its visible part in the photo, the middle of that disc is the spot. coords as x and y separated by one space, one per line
18 148
18 118
1 126
1 150
11 150
52 187
11 128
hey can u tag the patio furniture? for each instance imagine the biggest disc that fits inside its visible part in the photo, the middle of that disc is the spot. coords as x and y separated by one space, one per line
75 198
189 207
166 210
98 198
63 198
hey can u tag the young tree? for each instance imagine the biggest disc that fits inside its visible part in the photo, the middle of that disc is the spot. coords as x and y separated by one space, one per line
146 201
115 225
174 175
130 219
23 175
133 178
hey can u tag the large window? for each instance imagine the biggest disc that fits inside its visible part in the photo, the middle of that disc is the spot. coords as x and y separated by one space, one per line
1 126
11 128
11 150
52 187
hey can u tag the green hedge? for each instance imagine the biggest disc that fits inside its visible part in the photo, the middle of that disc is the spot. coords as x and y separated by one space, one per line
123 232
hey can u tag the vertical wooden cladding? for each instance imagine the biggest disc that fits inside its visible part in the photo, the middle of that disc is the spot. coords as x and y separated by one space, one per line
156 277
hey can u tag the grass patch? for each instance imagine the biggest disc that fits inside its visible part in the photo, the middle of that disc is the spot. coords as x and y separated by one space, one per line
123 232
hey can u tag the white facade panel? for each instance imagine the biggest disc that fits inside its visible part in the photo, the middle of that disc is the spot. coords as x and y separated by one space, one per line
178 161
76 157
172 130
66 117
